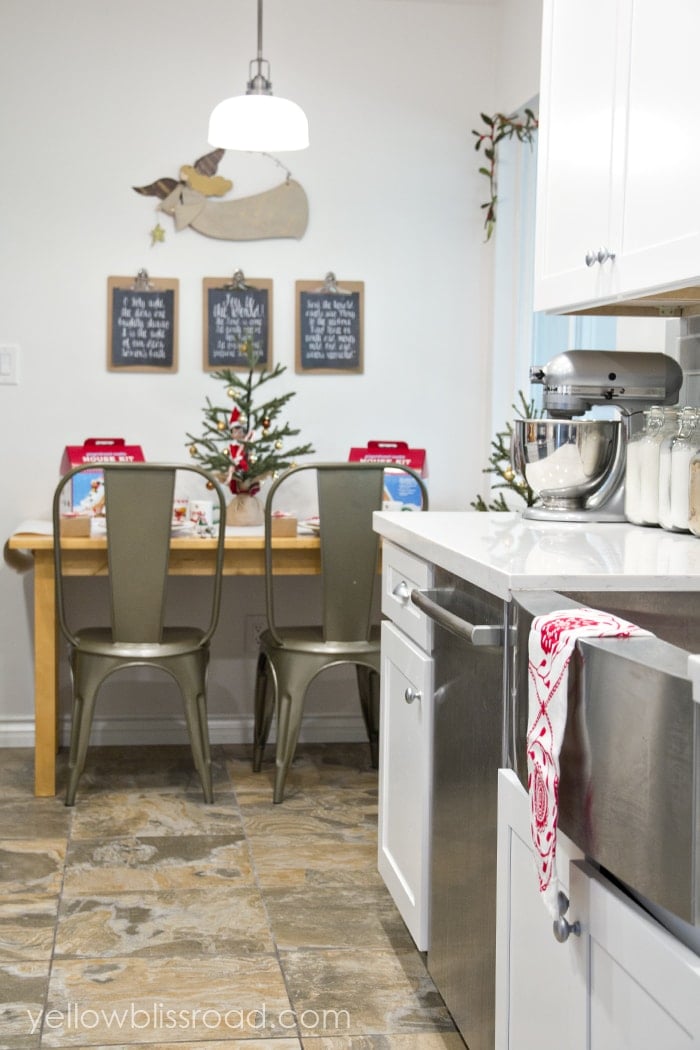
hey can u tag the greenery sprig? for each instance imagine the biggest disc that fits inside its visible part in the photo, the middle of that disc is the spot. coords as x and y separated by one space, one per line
499 127
500 462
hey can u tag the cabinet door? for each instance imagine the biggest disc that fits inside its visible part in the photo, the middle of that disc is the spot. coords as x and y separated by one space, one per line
540 983
624 983
662 206
580 151
644 984
405 777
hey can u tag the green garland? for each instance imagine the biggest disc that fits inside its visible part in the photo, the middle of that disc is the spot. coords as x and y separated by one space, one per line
499 127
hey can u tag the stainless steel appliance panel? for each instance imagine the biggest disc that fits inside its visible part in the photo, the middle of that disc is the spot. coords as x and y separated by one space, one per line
468 750
629 792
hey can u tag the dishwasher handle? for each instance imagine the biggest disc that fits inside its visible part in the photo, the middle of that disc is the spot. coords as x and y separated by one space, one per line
477 634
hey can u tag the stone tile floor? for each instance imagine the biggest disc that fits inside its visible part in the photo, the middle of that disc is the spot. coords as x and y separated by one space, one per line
143 916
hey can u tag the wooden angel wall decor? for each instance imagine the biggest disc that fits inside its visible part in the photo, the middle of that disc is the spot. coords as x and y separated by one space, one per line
282 211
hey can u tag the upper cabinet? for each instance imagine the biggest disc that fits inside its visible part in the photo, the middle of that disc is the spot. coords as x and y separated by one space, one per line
618 207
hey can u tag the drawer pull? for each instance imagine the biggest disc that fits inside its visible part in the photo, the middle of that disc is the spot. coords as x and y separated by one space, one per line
411 694
402 591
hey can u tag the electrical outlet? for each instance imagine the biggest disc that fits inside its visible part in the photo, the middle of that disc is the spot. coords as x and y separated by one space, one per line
254 627
9 364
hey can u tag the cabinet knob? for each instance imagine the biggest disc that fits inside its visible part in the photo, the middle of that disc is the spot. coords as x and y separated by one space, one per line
402 591
560 927
604 255
411 694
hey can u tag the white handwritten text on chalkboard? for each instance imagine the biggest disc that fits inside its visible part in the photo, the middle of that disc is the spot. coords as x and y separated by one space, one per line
235 316
143 323
330 330
232 315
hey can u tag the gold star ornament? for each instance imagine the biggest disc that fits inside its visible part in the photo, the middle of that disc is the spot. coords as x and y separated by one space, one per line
157 234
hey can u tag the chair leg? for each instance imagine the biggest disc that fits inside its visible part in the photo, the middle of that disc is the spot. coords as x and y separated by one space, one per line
207 784
264 708
83 711
290 708
368 687
196 716
190 675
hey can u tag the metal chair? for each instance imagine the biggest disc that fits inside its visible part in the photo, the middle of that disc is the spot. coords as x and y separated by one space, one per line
139 514
291 657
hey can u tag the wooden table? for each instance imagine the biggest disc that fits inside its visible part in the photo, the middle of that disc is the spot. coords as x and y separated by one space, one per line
190 556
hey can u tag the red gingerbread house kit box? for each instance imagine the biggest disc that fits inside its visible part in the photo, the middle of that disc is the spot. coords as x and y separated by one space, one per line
401 491
85 494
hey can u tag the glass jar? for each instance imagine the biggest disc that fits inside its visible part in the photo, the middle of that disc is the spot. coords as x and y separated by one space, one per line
665 451
633 468
694 495
661 425
682 451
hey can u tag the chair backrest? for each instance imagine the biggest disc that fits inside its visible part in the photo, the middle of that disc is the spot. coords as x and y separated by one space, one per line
139 515
348 493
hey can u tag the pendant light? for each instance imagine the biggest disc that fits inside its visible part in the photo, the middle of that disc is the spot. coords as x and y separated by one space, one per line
258 121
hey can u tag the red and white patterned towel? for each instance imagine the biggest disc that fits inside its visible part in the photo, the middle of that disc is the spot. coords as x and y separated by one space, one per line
551 645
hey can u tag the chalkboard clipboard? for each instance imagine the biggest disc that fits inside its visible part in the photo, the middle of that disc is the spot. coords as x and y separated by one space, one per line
142 323
329 327
235 311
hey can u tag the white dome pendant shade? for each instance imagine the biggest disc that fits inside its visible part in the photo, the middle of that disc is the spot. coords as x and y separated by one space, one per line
258 121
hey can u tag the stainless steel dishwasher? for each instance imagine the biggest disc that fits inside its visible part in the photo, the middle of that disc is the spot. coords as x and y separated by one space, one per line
469 747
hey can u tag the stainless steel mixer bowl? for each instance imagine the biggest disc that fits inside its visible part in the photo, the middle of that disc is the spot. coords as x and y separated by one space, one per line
564 461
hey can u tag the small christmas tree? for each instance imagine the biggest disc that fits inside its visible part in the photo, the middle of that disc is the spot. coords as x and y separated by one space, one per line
242 443
500 463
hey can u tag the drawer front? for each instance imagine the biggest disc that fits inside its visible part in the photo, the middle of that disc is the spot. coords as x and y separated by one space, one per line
403 572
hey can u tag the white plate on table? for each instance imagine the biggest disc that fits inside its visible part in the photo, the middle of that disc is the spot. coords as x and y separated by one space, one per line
312 525
177 528
181 528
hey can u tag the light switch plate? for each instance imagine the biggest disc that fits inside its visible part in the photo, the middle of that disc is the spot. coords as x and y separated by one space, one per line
9 364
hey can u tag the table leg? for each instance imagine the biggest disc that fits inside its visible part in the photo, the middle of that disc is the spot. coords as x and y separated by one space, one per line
45 675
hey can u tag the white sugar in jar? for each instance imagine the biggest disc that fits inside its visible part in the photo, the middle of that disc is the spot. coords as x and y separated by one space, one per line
661 425
682 451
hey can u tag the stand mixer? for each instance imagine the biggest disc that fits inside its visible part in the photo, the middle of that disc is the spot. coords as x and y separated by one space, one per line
577 466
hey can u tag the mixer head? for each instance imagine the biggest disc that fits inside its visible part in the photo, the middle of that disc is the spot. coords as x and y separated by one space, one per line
576 380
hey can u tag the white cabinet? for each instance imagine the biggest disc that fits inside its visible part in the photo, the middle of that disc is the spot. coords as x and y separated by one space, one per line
644 986
579 138
618 160
623 983
661 236
540 984
405 742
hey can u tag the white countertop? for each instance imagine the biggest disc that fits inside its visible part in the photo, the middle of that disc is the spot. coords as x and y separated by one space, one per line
505 553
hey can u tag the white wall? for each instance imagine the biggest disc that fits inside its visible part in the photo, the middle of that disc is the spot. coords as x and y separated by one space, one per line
100 97
519 45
